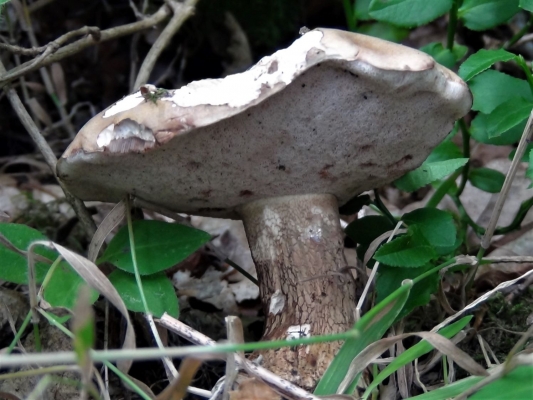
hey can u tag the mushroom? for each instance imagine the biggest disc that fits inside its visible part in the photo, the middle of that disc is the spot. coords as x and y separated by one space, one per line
279 146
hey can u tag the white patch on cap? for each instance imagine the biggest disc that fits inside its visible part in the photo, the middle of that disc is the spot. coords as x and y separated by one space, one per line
240 89
125 104
298 331
277 303
105 137
128 135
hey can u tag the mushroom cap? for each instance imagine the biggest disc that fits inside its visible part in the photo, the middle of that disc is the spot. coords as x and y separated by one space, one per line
336 112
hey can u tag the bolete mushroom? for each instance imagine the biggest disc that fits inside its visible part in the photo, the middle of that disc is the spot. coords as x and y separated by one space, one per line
279 146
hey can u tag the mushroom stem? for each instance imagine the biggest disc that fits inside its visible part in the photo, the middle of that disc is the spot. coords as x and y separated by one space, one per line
297 246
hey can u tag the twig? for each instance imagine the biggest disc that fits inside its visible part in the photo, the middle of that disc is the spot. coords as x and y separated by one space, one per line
182 11
53 45
49 156
282 386
85 42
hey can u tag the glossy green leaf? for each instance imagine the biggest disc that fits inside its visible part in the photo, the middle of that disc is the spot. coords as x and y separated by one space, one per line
481 61
486 179
364 230
158 290
427 173
435 225
492 88
480 127
159 246
411 250
14 266
526 5
384 31
444 56
361 10
354 205
373 326
480 15
414 352
508 115
408 13
447 150
390 278
63 287
514 385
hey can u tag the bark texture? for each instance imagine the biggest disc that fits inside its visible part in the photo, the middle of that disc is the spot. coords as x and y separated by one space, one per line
297 246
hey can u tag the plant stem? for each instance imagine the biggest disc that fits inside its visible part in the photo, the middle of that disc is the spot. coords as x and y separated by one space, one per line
19 333
384 210
349 12
518 35
523 64
452 25
443 189
466 154
134 256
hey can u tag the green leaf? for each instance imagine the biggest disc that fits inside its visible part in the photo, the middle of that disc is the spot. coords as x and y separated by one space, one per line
364 230
63 287
361 10
479 131
443 55
492 88
390 278
159 246
158 290
508 115
372 326
435 225
447 150
354 205
480 15
14 266
486 179
481 61
414 352
409 250
384 31
427 173
408 13
526 5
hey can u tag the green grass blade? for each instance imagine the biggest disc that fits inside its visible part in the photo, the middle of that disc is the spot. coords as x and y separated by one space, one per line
372 326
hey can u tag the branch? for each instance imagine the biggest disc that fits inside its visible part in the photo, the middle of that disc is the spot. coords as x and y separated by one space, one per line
182 11
83 43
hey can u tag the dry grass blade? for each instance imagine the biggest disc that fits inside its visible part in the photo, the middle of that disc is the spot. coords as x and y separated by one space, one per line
178 388
377 242
111 220
445 346
39 111
58 78
97 280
